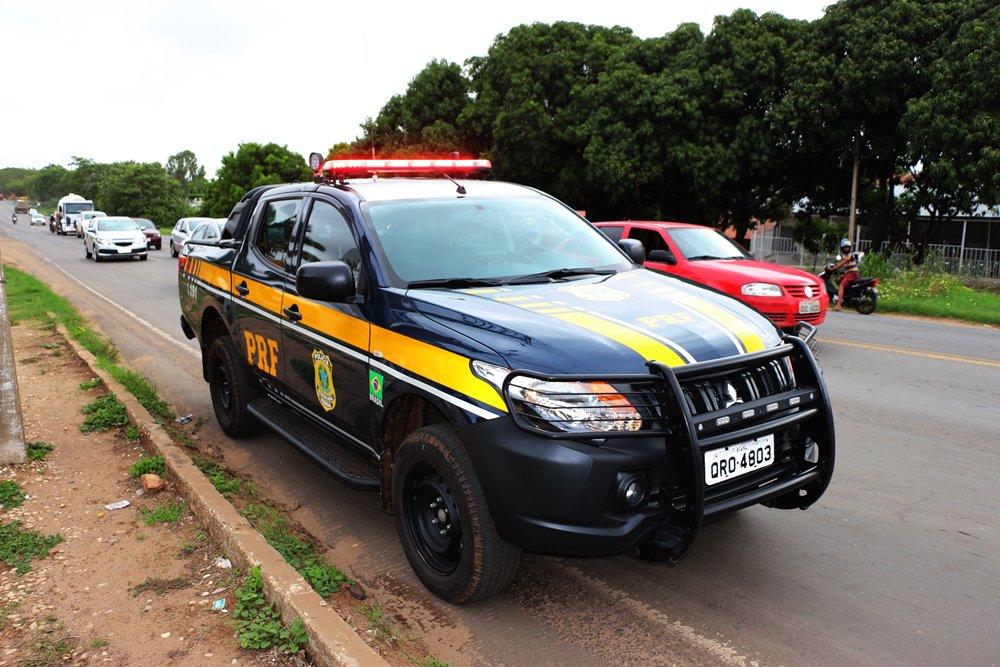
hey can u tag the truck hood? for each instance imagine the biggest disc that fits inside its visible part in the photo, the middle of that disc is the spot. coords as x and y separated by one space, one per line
600 325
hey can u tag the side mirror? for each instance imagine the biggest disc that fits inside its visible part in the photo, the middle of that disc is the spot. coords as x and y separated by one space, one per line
325 281
663 257
634 249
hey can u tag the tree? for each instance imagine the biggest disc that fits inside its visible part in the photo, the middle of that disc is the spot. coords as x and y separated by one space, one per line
184 168
142 191
250 166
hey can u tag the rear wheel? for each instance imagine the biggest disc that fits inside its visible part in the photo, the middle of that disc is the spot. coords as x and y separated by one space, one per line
85 251
173 249
443 521
231 389
865 302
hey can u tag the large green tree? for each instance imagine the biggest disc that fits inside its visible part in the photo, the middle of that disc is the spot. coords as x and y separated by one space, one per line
184 168
141 191
250 166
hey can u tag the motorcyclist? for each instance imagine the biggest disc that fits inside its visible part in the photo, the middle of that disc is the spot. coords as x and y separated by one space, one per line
849 263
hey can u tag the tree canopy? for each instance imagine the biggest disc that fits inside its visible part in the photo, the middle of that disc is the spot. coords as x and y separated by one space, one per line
250 166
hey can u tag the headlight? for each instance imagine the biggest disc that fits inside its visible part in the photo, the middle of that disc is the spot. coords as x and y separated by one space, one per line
760 289
573 407
102 240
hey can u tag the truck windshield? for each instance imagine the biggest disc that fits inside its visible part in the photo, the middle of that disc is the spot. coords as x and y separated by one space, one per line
488 239
78 206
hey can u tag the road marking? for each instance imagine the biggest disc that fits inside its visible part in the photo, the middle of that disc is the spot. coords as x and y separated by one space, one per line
914 353
135 317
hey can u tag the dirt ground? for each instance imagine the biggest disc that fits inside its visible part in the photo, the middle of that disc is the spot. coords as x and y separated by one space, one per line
115 590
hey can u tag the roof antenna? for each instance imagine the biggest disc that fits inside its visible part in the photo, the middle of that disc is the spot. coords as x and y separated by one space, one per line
461 188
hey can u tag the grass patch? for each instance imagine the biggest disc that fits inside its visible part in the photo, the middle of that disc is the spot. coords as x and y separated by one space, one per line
11 495
18 546
298 552
160 586
98 643
6 611
103 414
91 384
169 513
37 451
47 648
258 625
377 622
147 464
227 485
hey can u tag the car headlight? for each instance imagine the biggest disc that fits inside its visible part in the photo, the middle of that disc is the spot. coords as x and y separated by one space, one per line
102 240
760 289
573 407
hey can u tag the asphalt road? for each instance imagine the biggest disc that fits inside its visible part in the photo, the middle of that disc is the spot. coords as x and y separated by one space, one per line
896 565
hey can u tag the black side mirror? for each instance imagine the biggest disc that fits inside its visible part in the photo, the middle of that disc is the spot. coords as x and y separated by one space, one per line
325 281
634 249
663 257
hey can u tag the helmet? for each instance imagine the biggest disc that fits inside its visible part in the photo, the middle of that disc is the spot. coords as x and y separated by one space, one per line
845 243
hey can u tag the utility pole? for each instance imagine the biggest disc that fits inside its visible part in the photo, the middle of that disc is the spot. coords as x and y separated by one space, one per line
854 191
12 449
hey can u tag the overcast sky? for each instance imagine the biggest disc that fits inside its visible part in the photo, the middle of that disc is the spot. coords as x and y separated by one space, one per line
142 80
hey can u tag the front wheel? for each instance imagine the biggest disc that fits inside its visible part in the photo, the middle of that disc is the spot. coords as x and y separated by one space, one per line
443 521
865 302
173 249
231 389
86 251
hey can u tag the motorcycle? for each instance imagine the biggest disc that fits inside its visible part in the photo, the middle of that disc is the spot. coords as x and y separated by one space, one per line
862 294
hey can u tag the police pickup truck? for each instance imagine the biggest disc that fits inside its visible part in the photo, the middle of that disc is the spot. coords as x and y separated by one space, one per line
502 374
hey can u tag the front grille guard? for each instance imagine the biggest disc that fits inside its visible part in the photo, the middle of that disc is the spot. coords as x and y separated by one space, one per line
789 390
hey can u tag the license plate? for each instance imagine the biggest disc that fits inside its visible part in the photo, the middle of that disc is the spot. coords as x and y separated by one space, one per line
808 307
731 461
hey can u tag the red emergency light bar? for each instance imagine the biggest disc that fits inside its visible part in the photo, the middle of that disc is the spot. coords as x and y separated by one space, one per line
356 168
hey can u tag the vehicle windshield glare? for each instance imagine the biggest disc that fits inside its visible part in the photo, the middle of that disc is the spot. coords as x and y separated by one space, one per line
706 244
488 239
77 207
112 225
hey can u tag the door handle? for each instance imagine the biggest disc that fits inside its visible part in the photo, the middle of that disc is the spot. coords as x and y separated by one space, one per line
243 289
293 313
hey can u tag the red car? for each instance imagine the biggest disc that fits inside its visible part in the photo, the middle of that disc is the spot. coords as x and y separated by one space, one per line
783 294
153 239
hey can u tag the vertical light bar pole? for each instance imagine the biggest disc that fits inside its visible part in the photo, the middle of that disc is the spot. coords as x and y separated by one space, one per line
12 449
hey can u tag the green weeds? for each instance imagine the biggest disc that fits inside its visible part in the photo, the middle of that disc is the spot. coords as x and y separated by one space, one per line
147 464
169 513
227 485
91 384
160 586
258 625
377 622
37 451
11 495
103 414
18 546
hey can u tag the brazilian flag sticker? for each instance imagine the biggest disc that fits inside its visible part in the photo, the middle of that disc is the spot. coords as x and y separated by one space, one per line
375 387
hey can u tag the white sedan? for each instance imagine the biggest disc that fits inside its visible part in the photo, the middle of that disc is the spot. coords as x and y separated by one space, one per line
38 219
114 236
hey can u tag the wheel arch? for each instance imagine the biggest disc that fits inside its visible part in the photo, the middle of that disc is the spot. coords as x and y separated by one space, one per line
404 415
213 325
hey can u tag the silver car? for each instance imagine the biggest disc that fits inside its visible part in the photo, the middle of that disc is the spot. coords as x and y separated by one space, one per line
114 236
182 230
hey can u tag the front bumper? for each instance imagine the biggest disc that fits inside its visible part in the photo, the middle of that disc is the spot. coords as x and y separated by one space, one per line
786 311
129 249
565 496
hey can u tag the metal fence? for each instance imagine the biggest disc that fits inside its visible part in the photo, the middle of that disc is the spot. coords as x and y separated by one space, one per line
972 262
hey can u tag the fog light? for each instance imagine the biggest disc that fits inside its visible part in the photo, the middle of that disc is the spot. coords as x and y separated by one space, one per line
812 451
632 491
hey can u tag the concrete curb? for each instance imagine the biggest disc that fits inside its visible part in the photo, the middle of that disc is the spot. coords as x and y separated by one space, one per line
331 640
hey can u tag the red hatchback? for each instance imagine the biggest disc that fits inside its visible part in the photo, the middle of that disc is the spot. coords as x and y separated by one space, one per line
783 294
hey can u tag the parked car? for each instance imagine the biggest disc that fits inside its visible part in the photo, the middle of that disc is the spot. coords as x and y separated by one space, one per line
209 230
153 239
182 230
85 219
114 236
785 295
38 219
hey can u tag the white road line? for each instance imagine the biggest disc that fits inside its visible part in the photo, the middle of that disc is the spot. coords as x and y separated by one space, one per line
167 337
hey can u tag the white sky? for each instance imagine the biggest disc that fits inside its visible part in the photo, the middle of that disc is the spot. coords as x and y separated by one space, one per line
142 80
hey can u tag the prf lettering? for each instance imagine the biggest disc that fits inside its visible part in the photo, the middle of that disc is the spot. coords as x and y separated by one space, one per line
654 321
262 352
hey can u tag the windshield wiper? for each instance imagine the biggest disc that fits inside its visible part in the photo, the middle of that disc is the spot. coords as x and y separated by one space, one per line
456 283
558 274
697 257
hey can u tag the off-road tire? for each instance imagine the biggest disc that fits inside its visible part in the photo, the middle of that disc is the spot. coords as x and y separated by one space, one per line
443 521
865 303
231 388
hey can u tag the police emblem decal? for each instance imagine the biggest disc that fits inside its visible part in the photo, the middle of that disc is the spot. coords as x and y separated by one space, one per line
323 379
